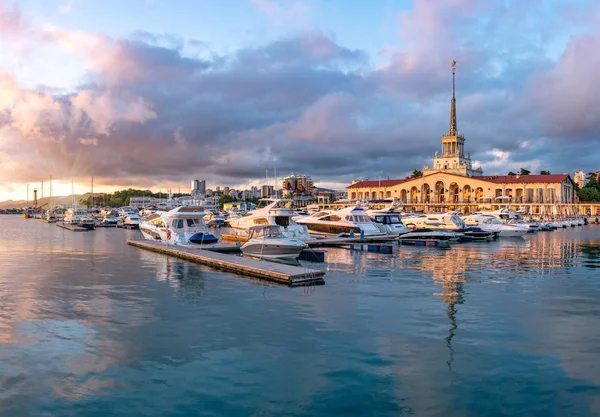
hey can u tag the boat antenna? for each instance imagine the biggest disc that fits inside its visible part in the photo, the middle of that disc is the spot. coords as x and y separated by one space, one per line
72 194
92 205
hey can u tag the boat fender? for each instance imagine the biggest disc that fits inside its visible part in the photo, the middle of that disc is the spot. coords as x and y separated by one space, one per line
168 234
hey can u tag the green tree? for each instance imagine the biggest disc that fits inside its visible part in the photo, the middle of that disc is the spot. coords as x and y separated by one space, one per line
524 171
417 174
224 199
589 194
511 173
544 172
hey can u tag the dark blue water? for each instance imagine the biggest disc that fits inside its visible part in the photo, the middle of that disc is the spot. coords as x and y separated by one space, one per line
90 326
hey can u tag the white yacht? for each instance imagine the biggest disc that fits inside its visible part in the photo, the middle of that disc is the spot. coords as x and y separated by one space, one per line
345 220
78 216
436 221
269 242
178 226
388 220
509 217
492 224
271 211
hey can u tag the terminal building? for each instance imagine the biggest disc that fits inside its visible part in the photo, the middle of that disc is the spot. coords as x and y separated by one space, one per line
453 183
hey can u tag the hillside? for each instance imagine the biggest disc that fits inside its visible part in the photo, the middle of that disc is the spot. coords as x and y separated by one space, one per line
63 200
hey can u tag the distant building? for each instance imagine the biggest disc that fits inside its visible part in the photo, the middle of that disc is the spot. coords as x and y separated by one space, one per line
266 191
226 190
239 205
297 185
326 197
198 187
580 178
141 202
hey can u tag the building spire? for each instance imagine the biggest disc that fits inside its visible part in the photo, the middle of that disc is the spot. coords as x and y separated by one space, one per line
453 129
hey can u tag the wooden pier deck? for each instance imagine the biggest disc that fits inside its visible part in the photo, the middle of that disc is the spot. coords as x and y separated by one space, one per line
271 271
72 228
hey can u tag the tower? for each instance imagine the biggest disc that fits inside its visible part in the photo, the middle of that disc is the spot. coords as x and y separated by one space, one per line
453 158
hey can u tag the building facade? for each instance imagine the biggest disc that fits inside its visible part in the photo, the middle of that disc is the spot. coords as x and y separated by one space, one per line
452 183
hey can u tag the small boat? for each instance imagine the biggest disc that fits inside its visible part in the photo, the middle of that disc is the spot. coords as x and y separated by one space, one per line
50 216
269 242
427 237
178 226
213 219
78 216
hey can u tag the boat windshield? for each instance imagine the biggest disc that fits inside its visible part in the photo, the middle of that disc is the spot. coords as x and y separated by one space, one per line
388 219
358 219
266 231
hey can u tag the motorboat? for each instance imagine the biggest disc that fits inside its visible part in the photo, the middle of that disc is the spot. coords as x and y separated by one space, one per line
271 211
130 221
428 235
437 221
344 221
269 242
213 219
78 216
50 216
109 217
178 226
492 224
510 217
388 220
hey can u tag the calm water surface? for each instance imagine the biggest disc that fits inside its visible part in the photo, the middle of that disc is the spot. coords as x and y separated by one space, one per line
90 326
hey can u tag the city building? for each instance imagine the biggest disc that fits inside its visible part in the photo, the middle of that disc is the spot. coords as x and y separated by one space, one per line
580 178
141 202
297 185
239 205
452 183
266 191
198 187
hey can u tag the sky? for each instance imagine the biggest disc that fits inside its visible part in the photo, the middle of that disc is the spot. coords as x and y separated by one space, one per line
155 93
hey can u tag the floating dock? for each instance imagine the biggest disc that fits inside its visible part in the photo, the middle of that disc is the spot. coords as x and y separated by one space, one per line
271 271
72 227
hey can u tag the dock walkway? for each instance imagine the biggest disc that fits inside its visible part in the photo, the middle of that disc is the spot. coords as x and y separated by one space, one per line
72 227
281 273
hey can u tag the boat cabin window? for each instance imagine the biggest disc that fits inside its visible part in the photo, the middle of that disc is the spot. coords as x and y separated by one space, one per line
261 220
177 223
321 213
193 222
357 219
159 222
332 218
282 221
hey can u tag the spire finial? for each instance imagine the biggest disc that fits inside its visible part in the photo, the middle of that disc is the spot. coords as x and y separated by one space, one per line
453 128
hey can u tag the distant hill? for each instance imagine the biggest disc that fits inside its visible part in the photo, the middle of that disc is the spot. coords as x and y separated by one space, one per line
62 200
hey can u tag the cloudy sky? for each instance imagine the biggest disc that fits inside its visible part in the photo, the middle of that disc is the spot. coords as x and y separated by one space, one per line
153 93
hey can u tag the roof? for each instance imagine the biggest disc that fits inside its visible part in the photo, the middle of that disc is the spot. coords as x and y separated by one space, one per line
524 179
377 183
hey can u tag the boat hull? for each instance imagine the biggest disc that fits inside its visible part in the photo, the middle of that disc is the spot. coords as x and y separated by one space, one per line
268 251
